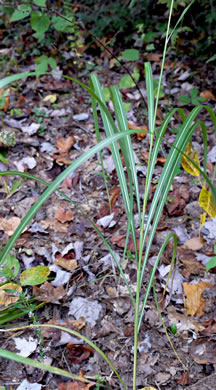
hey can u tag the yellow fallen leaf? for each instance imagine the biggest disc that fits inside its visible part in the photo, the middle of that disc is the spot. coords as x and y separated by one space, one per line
50 98
194 302
187 165
6 298
206 201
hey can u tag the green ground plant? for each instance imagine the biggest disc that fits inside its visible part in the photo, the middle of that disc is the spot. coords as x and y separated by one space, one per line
193 98
148 222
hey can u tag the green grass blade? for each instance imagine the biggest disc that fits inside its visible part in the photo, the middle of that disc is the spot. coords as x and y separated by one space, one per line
116 158
150 98
126 145
95 117
10 79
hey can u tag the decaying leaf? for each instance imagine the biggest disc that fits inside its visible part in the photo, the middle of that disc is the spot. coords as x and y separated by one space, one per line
6 297
206 201
184 380
47 293
194 301
50 98
187 165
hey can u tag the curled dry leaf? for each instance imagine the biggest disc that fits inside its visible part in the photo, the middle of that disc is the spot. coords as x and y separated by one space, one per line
78 353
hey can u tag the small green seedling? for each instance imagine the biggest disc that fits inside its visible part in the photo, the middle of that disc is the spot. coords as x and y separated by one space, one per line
193 99
212 262
173 329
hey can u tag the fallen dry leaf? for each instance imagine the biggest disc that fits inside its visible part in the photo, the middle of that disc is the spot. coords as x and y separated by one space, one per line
184 380
69 265
74 386
142 135
6 298
154 57
194 302
177 206
9 225
64 144
188 258
56 333
203 351
52 224
183 322
77 352
195 243
208 95
63 215
47 293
